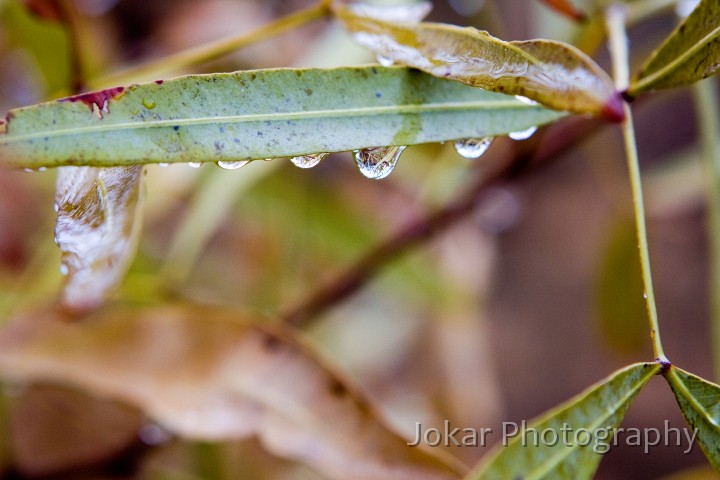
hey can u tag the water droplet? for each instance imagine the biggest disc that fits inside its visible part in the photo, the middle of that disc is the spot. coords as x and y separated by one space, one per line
525 100
148 103
523 134
56 207
64 269
378 162
163 164
308 161
385 61
194 164
232 165
645 295
473 147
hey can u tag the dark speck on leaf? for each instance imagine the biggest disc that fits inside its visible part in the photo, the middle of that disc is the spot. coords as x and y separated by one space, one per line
378 94
159 82
176 127
337 389
271 342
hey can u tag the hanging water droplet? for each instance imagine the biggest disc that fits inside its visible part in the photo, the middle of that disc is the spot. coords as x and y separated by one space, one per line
525 100
232 165
163 164
523 134
194 164
64 269
385 61
473 147
308 161
378 162
56 207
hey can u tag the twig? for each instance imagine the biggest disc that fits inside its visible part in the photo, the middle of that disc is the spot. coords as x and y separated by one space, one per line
213 50
618 43
555 141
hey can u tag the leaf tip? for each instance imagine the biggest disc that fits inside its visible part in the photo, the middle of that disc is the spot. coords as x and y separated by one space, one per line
614 109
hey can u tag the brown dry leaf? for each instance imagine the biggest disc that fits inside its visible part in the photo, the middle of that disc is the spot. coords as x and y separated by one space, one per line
553 73
98 226
55 430
216 374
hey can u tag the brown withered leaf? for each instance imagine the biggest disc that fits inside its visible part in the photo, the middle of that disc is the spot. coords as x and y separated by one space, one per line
553 73
99 216
216 374
54 430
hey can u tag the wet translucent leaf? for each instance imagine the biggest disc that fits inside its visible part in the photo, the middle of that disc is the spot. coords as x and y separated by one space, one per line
690 53
553 73
620 303
699 401
215 374
565 7
597 411
99 215
258 114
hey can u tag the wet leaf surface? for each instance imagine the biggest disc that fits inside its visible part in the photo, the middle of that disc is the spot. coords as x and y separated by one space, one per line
214 374
690 53
99 217
699 401
257 115
552 73
594 411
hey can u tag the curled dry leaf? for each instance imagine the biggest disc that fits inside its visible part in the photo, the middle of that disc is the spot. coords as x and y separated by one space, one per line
215 374
552 73
98 225
690 53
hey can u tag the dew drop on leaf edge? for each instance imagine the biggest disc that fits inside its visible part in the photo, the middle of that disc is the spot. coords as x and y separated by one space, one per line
385 61
523 134
473 147
378 162
232 165
194 164
308 161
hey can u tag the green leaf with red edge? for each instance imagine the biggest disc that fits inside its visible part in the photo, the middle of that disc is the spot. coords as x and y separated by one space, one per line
553 73
699 401
689 54
259 114
597 411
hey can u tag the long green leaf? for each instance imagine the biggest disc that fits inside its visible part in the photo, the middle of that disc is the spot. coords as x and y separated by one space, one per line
553 73
690 53
699 401
258 114
588 419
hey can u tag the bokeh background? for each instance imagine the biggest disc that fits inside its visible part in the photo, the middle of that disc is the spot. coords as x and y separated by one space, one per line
499 317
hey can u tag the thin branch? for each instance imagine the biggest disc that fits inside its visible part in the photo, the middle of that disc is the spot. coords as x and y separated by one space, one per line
618 43
706 102
213 50
550 145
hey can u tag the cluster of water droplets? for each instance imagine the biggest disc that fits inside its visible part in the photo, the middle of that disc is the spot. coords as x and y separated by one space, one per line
378 162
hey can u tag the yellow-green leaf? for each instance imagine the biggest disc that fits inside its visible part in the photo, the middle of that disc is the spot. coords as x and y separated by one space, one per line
699 401
99 215
690 53
553 73
583 428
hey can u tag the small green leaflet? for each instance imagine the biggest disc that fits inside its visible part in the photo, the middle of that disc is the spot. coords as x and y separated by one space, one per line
597 411
699 401
256 115
690 53
553 73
